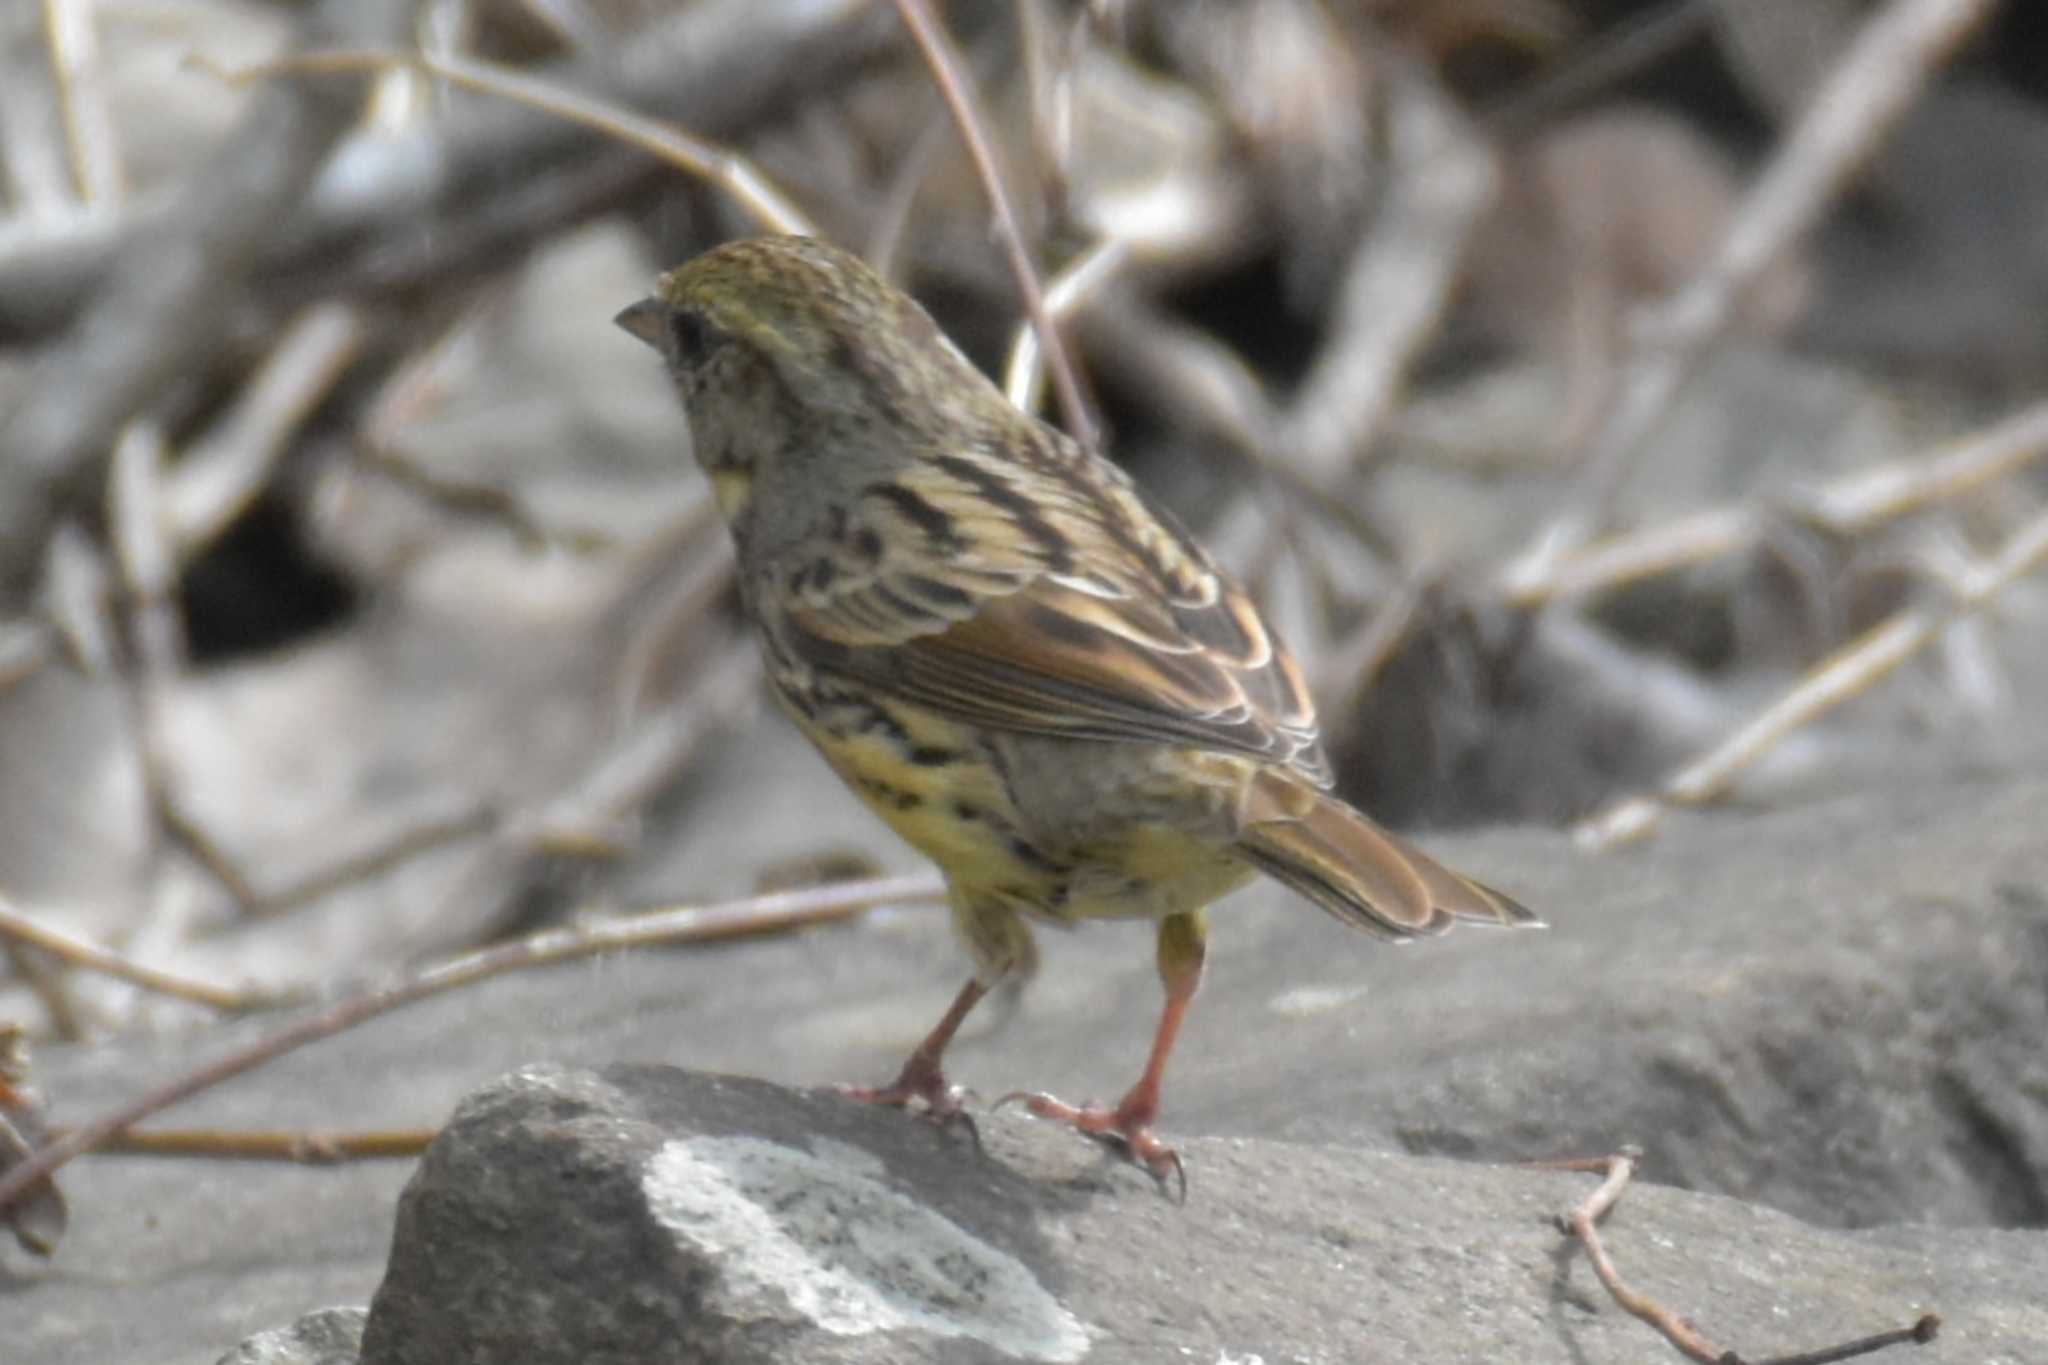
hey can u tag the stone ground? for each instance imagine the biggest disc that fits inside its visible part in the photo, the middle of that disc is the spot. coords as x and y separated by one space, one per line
1826 1015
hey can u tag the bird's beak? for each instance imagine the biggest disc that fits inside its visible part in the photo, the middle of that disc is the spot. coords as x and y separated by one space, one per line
643 320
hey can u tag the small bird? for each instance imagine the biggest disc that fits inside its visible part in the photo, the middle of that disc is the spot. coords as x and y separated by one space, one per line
1026 667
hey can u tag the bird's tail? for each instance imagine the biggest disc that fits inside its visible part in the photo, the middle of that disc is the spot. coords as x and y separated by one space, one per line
1372 880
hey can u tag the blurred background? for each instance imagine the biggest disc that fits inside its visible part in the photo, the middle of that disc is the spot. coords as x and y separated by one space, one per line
1567 384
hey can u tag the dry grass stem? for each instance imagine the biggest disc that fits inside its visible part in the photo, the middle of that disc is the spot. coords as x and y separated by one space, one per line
140 532
727 169
1603 61
777 913
143 548
1847 673
949 72
1355 661
166 293
1400 277
24 648
1852 505
890 227
1871 88
225 469
591 817
1083 277
1201 388
49 985
427 834
1617 1171
306 1149
94 151
19 926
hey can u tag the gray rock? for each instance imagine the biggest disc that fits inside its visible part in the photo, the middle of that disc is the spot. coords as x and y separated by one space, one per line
651 1215
332 1336
1834 1008
647 1214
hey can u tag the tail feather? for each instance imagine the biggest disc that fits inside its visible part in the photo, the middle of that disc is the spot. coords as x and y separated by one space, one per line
1371 879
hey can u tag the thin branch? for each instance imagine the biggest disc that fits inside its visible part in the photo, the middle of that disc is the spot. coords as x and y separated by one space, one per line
24 648
1852 505
438 830
307 1148
81 100
1602 60
1024 374
754 915
1205 389
161 305
1617 1171
19 925
386 201
142 539
1580 1222
48 986
1398 281
947 70
1871 88
1847 673
222 472
721 166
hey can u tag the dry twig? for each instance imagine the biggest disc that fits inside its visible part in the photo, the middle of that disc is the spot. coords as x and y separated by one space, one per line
304 1148
755 915
18 925
1400 276
948 70
721 166
1086 275
1683 1336
718 66
82 100
1853 505
1871 88
1847 673
223 470
167 296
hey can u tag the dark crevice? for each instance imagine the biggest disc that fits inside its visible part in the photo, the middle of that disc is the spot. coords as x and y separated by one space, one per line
257 589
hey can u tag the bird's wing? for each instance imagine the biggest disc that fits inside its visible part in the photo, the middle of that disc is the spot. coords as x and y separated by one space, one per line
1046 596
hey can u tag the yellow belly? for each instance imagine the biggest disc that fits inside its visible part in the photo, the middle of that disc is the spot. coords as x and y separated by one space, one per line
959 814
955 813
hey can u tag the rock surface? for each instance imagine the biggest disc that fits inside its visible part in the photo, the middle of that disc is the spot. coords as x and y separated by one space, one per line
1833 1008
331 1336
651 1215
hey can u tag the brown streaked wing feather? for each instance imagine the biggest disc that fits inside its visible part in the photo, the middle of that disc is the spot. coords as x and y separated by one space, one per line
1051 599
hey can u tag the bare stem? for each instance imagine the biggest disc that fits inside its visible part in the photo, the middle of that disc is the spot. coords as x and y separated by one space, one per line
1618 1170
306 1148
17 925
948 71
1884 70
734 919
1849 672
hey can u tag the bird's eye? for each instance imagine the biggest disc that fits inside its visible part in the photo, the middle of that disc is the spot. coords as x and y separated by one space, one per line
691 337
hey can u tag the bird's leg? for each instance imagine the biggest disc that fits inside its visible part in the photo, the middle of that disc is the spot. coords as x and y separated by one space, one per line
1183 942
1000 943
921 1077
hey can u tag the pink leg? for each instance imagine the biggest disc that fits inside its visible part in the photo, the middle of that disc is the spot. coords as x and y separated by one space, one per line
1182 946
921 1077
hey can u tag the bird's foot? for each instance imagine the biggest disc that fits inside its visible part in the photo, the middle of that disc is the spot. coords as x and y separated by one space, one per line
920 1081
1127 1127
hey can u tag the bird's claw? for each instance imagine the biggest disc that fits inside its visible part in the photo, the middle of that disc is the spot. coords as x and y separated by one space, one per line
1129 1132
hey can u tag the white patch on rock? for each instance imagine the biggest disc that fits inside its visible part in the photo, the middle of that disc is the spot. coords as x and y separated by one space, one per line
796 1233
850 1157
